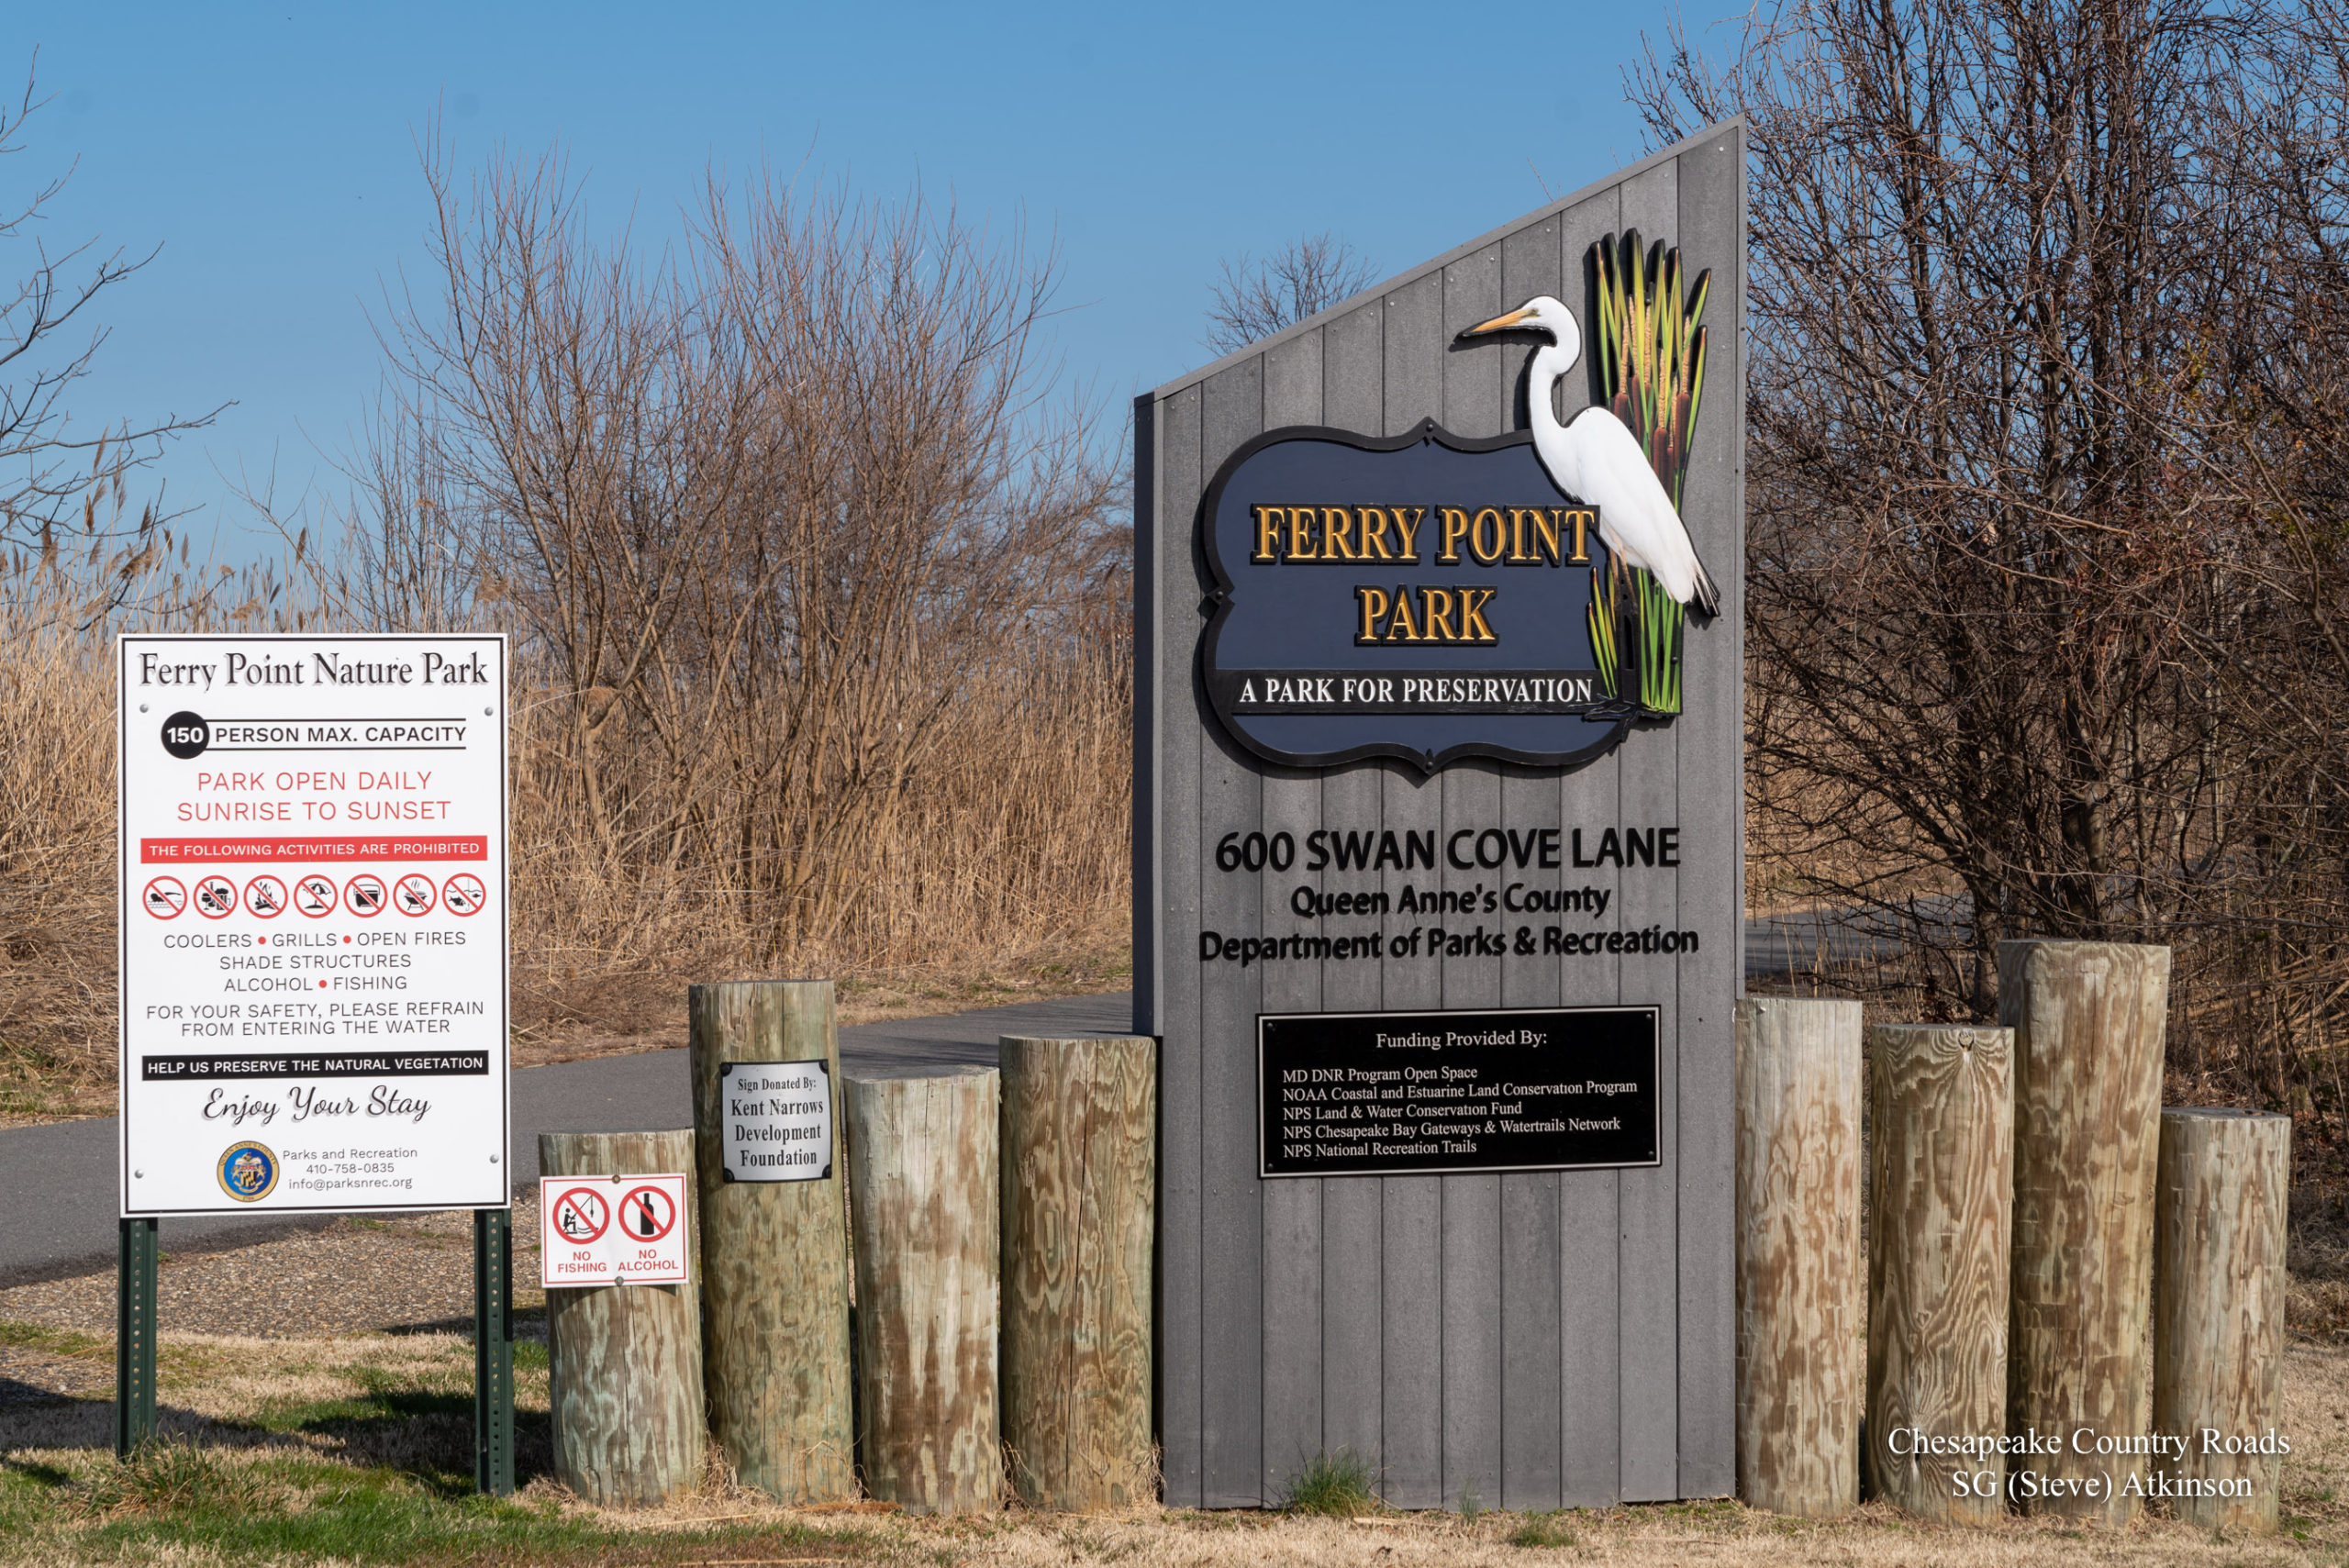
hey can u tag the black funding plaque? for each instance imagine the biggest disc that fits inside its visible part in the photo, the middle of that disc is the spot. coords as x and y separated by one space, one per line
1400 1094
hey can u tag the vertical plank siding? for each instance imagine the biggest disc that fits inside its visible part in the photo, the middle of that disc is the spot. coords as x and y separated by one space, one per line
1532 1338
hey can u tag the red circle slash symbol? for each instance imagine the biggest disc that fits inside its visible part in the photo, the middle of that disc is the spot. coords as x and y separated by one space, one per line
365 894
314 895
647 1214
464 893
413 894
215 896
266 896
581 1215
164 898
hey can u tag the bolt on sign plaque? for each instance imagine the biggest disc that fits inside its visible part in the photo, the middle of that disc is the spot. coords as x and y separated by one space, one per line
1396 1094
776 1122
312 850
1437 865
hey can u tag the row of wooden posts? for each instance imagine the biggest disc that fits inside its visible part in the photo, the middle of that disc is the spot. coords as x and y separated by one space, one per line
995 1231
2049 1254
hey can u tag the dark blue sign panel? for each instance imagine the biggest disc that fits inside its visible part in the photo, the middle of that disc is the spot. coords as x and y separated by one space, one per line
1425 597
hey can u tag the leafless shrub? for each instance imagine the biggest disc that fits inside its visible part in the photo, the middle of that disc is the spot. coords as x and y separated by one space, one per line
1255 298
2046 499
806 561
64 486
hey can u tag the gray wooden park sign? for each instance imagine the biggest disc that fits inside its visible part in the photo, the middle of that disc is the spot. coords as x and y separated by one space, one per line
1438 867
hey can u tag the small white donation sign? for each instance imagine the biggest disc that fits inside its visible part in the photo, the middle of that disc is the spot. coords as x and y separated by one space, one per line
777 1118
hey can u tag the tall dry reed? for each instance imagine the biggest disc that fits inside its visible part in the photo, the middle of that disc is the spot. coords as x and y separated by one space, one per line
1004 858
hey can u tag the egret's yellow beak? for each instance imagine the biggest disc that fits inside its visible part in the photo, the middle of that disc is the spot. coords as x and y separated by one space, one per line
1499 323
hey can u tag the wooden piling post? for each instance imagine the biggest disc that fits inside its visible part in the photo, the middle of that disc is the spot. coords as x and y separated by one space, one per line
1941 1112
773 1258
927 1218
1799 1316
1079 1225
625 1359
2219 1209
2088 1020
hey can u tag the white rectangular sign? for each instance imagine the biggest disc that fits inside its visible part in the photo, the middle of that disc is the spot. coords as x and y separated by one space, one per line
611 1230
312 834
777 1120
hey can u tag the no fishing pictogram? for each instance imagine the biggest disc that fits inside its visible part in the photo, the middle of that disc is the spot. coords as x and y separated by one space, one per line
414 895
164 898
464 893
266 896
215 896
314 895
581 1215
365 894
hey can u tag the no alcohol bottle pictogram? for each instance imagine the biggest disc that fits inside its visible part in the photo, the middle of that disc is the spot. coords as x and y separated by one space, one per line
464 893
414 895
581 1215
266 896
365 894
215 896
314 895
647 1214
164 898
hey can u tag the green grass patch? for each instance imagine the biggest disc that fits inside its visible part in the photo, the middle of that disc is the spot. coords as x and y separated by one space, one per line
1544 1530
243 1507
1336 1484
55 1341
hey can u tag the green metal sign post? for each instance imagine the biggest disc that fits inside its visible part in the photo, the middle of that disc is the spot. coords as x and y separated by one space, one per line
494 1351
134 1337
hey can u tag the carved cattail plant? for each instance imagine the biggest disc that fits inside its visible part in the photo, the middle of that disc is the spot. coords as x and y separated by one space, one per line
1651 355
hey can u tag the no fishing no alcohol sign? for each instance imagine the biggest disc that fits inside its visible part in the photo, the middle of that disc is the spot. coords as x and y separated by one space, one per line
313 923
612 1231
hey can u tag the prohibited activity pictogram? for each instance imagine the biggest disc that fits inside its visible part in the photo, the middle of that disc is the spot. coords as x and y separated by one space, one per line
464 893
215 896
266 896
414 895
581 1215
648 1213
365 894
314 895
164 898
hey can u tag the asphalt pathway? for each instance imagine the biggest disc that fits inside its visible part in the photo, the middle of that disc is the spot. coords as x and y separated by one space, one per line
57 1182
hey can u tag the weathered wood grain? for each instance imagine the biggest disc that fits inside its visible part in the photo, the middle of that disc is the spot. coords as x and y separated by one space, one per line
1232 1203
1179 855
1712 817
774 1260
1941 1114
625 1359
1799 1323
2087 1019
1648 776
927 1218
1292 1209
2220 1209
1079 1169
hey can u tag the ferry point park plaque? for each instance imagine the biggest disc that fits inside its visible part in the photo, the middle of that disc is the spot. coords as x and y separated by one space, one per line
1439 869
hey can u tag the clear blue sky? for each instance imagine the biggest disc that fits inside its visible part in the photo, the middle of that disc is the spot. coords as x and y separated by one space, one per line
272 153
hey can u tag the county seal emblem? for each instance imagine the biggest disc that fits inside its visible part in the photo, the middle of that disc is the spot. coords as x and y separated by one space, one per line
248 1172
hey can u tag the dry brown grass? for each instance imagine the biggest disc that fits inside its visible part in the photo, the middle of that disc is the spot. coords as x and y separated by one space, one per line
1002 871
